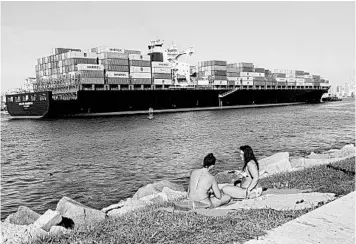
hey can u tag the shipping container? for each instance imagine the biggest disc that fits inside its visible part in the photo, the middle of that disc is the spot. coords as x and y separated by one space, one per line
114 61
259 83
112 74
91 73
246 65
60 50
308 83
203 82
259 79
140 75
232 69
137 69
232 74
279 83
281 79
162 82
299 83
139 57
89 67
246 83
233 65
316 84
127 51
232 78
220 83
119 68
98 81
245 74
259 70
280 75
162 70
300 80
141 63
161 76
246 78
291 80
118 81
81 55
246 69
141 81
299 73
103 49
161 65
113 55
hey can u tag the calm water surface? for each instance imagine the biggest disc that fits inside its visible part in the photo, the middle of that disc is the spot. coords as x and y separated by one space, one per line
100 161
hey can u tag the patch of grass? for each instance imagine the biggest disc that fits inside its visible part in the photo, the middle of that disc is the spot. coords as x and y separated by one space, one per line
151 225
164 227
319 178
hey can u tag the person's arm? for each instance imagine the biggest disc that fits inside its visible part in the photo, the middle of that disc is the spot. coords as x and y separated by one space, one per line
216 189
252 169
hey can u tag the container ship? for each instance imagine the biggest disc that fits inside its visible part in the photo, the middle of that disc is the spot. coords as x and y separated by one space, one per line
110 81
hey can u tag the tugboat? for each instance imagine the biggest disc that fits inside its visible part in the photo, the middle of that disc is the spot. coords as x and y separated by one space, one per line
331 98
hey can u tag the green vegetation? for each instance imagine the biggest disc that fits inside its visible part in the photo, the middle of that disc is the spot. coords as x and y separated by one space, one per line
151 225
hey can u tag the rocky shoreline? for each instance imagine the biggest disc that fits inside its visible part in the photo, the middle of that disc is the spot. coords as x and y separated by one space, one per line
26 225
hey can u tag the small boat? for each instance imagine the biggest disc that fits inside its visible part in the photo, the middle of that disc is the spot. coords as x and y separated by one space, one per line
150 113
331 99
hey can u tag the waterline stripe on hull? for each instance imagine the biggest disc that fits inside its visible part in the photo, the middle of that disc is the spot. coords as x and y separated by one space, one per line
184 110
26 117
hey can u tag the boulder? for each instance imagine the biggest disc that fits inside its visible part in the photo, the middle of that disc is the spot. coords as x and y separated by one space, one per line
23 216
48 219
172 195
80 214
348 151
14 234
145 191
157 187
58 230
130 206
165 183
277 163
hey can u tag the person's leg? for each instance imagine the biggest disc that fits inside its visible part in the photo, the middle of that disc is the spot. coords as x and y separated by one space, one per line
219 202
234 192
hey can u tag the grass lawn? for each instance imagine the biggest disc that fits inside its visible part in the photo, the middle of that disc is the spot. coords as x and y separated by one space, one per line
150 225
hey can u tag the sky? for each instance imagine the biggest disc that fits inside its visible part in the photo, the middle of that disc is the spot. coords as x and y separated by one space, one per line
317 37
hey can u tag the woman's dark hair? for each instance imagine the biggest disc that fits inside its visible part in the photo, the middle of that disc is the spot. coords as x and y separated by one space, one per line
248 156
209 160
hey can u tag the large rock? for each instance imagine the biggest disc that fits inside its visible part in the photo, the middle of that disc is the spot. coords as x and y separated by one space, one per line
23 216
15 234
152 189
172 195
130 205
48 219
277 163
58 230
80 214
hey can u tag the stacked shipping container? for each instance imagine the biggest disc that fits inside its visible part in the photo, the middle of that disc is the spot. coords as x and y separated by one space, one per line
246 73
161 73
140 69
215 71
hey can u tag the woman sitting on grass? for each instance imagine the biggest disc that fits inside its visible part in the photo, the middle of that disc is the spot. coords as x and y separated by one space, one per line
202 183
248 188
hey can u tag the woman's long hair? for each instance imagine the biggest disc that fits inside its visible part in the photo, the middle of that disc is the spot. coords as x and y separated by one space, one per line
248 156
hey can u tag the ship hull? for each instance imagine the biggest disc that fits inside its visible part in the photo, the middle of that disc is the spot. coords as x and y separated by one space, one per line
117 102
